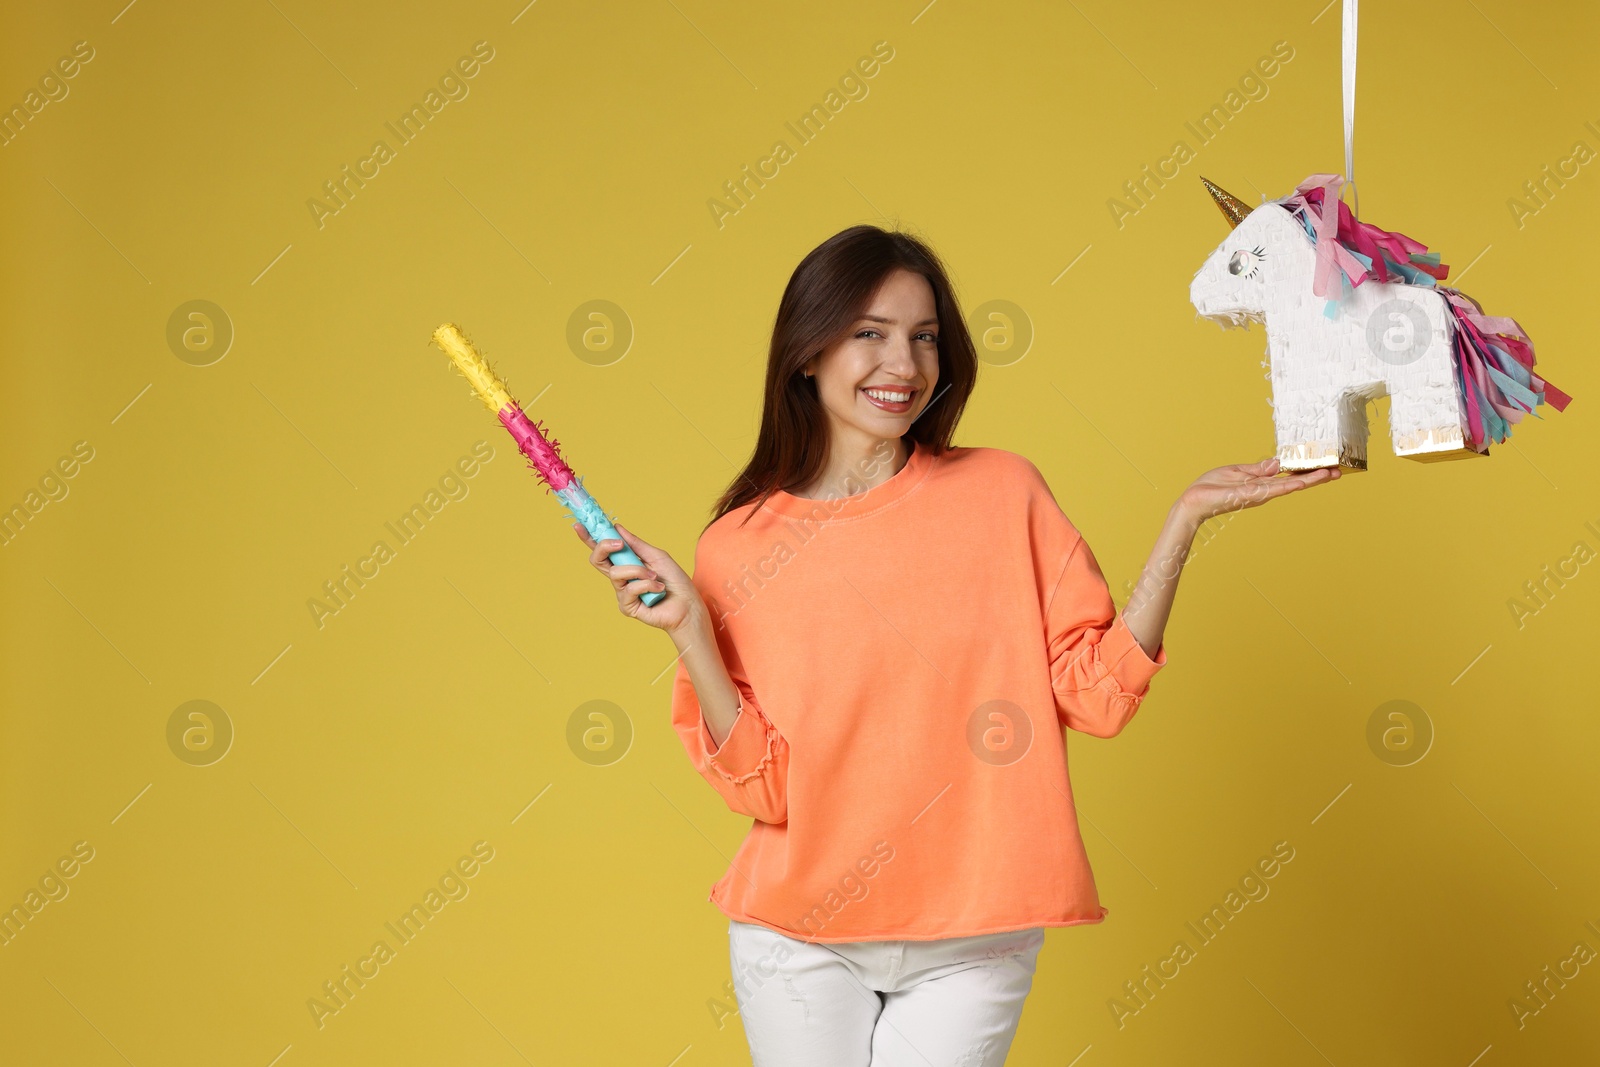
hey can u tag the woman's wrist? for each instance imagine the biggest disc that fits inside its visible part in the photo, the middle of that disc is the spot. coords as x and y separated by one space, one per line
693 630
1182 521
701 658
1148 607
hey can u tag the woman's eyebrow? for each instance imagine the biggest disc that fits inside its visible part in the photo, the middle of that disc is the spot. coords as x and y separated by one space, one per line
880 318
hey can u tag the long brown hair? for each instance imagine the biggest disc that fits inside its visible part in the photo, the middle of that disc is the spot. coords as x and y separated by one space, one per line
826 293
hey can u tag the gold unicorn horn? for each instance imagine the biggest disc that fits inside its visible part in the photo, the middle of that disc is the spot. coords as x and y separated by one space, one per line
1233 209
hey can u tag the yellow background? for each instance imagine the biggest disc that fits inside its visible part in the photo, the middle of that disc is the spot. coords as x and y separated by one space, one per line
371 753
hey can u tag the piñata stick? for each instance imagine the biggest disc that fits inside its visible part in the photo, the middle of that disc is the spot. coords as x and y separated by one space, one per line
543 453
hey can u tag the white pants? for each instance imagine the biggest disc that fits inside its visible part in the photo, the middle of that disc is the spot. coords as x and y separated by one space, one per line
948 1003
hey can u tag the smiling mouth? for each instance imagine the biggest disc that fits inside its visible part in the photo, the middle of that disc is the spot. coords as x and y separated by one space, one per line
896 401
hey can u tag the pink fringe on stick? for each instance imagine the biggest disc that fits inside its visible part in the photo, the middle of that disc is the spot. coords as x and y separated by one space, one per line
544 454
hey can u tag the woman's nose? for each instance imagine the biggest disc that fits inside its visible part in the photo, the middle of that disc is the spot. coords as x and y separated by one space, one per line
897 359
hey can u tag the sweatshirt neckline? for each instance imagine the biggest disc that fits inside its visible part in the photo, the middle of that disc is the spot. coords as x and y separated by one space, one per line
878 497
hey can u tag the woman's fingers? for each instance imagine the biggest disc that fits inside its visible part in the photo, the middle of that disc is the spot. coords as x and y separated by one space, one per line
602 552
629 572
1295 482
620 573
1266 466
630 580
633 581
1322 474
636 589
597 552
1277 487
1262 488
641 548
1248 485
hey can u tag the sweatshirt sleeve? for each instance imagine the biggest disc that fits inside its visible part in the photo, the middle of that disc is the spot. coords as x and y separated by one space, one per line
1098 670
751 768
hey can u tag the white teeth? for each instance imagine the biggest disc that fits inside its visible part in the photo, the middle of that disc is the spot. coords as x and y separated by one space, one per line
891 397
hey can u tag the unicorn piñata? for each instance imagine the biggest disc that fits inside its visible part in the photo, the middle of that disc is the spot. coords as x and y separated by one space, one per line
1353 313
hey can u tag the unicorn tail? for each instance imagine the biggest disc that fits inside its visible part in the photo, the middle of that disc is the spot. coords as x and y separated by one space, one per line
1494 372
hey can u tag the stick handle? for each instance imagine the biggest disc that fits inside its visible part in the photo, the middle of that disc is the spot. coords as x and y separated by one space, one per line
582 507
603 531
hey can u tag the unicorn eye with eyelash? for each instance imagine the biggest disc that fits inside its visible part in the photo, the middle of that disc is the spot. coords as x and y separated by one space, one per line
1246 264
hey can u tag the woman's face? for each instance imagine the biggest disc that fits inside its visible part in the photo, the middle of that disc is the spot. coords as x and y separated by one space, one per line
880 376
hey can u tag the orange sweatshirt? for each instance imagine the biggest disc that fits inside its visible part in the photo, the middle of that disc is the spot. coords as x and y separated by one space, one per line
906 658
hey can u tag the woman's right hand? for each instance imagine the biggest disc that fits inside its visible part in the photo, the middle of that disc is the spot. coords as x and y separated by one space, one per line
674 611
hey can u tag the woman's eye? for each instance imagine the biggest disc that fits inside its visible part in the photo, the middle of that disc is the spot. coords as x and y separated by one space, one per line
925 335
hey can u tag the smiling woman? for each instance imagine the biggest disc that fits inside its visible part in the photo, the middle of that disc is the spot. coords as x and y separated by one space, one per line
906 678
871 370
865 310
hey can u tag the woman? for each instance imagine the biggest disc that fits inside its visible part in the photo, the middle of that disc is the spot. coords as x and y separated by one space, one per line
882 639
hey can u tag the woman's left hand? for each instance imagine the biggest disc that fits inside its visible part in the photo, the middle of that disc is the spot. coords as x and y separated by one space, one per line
1244 485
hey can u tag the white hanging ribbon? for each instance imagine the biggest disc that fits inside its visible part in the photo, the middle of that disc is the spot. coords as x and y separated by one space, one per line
1349 37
